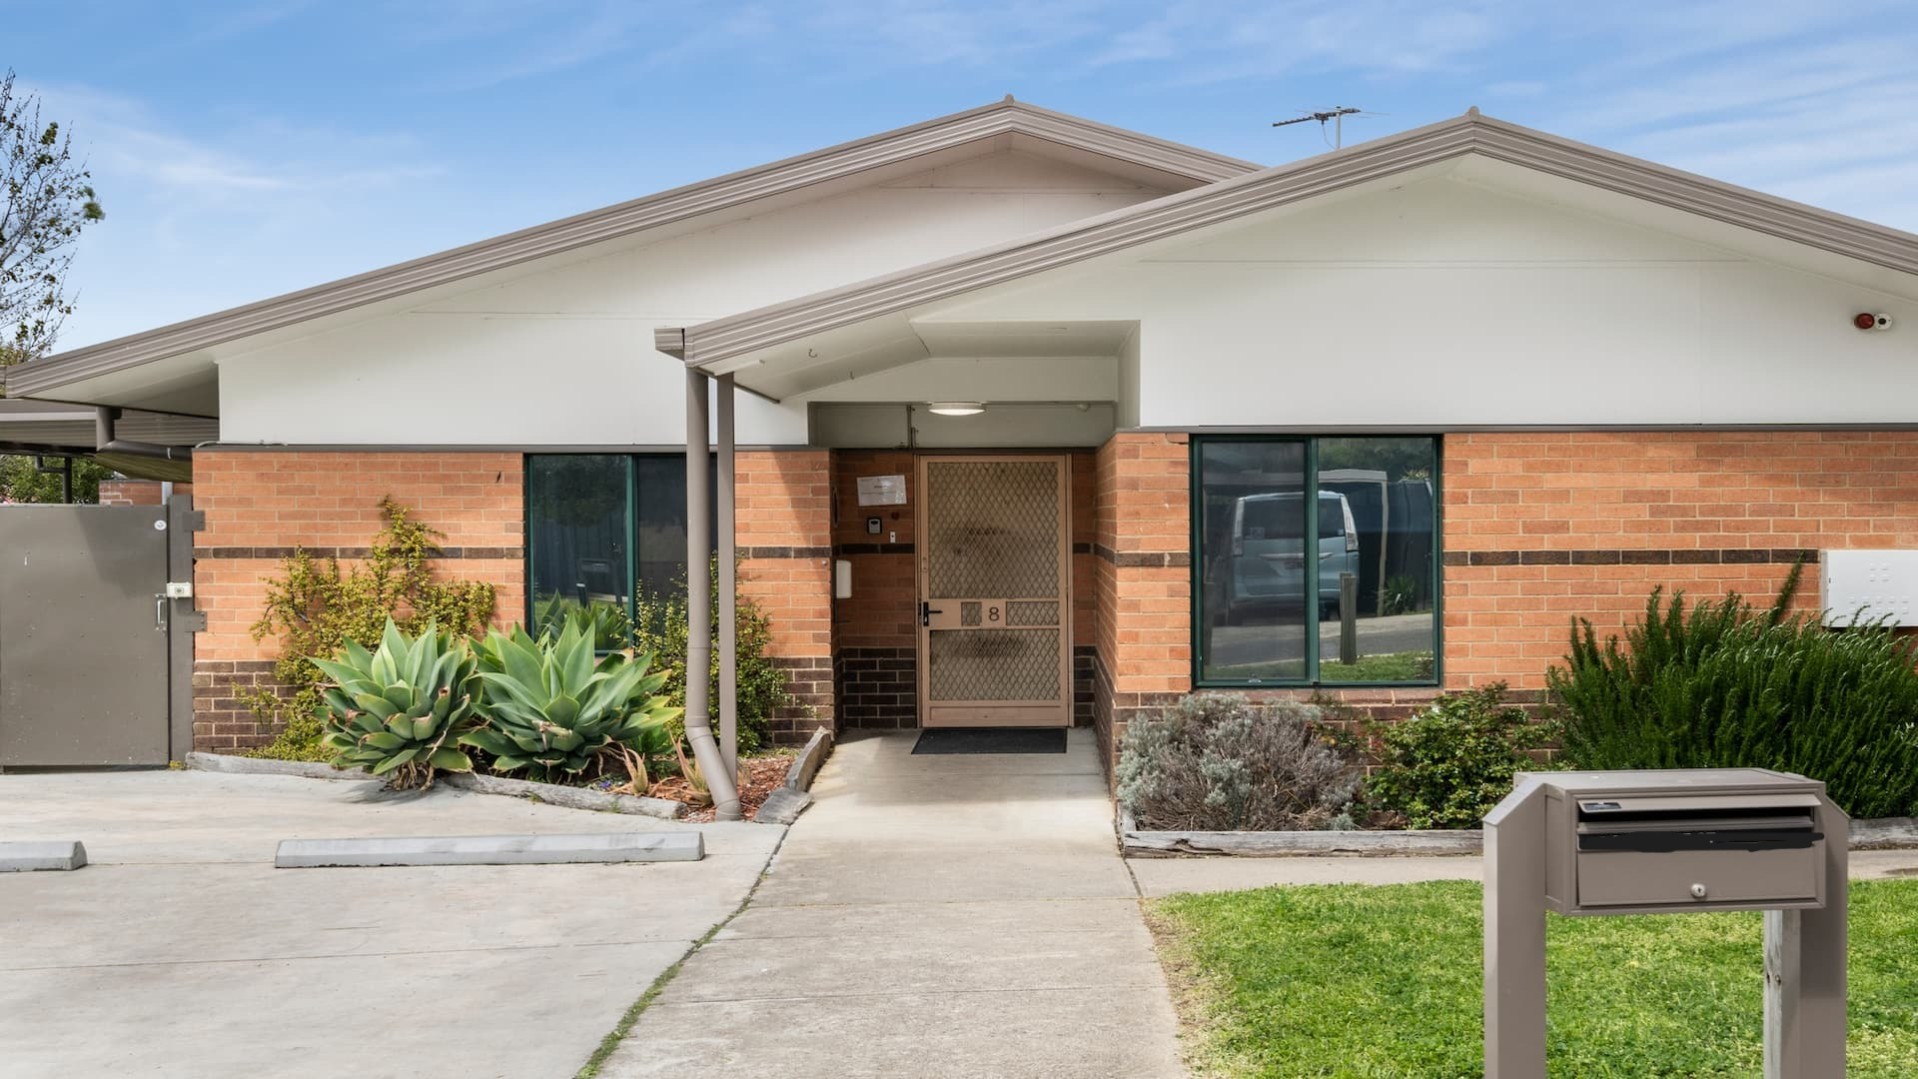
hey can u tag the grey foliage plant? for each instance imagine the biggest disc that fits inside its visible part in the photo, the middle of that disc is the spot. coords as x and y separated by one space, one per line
1219 762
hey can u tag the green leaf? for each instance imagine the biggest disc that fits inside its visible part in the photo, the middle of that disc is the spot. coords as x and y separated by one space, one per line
448 759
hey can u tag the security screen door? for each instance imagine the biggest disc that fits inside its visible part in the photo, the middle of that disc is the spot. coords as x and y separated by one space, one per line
994 644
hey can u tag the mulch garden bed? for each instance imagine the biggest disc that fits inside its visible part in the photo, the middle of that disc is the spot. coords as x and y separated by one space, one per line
764 775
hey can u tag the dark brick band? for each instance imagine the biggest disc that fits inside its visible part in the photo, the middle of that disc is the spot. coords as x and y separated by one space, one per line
845 549
1652 557
785 552
1147 559
350 552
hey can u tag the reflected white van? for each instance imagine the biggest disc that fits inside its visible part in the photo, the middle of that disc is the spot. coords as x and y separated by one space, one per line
1268 555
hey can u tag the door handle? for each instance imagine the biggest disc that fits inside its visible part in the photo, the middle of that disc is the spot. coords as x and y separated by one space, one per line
926 611
159 612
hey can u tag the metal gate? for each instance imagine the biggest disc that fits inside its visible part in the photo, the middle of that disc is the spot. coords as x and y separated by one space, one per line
995 648
94 662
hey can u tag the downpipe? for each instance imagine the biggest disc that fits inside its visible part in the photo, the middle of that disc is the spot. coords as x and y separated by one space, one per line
720 782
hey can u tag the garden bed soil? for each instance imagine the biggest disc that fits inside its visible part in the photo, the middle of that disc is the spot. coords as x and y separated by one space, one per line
764 775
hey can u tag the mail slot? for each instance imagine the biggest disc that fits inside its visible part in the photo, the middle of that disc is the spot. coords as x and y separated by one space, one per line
1743 840
1670 842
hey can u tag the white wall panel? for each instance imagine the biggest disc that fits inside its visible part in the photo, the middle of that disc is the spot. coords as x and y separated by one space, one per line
1441 304
564 356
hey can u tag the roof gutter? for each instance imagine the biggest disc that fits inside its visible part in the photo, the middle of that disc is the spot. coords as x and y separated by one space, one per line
104 418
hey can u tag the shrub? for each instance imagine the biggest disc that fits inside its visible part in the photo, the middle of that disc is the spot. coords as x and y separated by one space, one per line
661 632
400 710
316 608
1217 762
551 709
1722 684
1447 766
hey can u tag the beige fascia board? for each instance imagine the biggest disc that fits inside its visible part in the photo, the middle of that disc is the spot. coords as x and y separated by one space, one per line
717 345
624 219
1702 196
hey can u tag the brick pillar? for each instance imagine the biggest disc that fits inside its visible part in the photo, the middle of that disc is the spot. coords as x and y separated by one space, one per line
1142 543
785 547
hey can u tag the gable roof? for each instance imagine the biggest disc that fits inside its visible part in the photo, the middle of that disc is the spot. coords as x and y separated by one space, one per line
902 145
719 344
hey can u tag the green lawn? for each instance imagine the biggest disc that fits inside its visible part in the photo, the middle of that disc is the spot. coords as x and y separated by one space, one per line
1385 981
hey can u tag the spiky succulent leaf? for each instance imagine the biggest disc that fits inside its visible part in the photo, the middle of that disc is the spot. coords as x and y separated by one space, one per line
551 707
400 708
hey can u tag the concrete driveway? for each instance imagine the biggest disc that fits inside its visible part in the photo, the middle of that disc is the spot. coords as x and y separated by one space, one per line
181 951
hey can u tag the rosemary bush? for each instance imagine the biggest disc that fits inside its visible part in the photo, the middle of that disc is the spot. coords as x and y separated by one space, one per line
1218 762
1722 684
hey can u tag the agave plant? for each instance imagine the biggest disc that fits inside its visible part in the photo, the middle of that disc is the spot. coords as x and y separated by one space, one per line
608 624
400 710
551 708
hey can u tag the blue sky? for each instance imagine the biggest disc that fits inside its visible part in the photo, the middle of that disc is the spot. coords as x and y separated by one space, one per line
247 149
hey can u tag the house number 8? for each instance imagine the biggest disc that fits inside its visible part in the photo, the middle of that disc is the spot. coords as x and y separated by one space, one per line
992 614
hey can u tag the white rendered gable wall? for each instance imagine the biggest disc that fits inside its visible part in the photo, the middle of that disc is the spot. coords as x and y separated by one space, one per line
564 356
1445 304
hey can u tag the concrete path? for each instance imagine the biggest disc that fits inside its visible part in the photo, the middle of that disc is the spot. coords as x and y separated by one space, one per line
1166 876
929 916
181 951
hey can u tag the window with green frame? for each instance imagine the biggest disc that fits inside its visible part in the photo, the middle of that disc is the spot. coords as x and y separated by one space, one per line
1369 614
603 530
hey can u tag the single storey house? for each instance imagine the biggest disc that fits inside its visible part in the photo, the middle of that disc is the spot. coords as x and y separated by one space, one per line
1024 419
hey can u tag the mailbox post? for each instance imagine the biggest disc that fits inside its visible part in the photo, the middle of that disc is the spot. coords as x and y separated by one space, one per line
1668 842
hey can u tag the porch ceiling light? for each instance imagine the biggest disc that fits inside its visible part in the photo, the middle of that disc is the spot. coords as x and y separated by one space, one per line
956 408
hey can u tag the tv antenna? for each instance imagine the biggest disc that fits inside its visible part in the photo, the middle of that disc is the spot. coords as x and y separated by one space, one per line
1335 116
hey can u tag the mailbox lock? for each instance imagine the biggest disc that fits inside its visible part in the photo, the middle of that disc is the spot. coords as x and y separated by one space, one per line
1698 891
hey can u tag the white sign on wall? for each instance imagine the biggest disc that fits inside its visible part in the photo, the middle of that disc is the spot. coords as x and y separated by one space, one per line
882 490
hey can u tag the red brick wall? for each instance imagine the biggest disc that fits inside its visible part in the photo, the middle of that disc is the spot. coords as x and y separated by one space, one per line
1540 528
784 532
1143 577
125 492
260 505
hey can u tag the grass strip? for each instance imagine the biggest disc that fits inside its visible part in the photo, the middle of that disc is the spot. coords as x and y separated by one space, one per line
1385 982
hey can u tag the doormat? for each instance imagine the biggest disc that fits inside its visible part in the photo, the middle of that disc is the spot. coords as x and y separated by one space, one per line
986 740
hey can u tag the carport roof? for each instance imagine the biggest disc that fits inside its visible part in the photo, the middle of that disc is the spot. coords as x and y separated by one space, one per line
739 344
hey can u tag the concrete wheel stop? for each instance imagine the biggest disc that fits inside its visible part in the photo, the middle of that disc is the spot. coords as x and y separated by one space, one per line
29 856
491 850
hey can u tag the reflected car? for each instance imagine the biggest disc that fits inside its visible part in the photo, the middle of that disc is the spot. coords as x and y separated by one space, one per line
1268 554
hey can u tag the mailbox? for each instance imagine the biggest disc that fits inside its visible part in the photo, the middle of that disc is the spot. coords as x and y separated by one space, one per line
1667 842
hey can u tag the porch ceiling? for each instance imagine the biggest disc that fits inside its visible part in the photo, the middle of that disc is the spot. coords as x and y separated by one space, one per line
895 358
